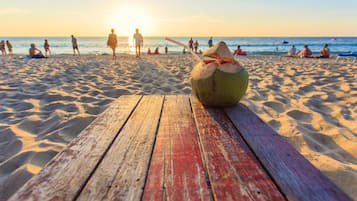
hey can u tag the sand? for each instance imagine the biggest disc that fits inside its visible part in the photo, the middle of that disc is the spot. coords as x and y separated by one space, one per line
45 103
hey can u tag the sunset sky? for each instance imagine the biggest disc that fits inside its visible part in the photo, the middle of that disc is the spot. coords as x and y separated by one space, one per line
179 18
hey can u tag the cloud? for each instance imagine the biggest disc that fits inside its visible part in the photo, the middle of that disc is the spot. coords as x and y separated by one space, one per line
12 11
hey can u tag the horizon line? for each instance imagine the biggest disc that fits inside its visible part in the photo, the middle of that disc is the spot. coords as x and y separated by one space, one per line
302 36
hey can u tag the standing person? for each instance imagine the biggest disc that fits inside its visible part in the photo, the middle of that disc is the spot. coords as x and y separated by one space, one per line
9 47
112 42
210 42
166 49
46 46
2 48
196 46
75 45
190 44
139 42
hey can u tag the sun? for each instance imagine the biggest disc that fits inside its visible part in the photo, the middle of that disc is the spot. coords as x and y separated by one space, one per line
126 19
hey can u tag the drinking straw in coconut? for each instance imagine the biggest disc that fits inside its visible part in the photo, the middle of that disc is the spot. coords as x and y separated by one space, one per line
185 46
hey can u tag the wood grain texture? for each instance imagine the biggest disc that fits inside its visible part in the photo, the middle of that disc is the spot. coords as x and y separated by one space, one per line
176 170
296 176
121 175
234 172
65 175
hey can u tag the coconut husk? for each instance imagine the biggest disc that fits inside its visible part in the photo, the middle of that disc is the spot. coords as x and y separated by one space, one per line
219 51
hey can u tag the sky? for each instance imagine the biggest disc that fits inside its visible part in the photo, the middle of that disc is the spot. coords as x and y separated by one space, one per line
179 17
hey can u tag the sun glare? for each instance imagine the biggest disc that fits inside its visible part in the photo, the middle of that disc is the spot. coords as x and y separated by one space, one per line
128 18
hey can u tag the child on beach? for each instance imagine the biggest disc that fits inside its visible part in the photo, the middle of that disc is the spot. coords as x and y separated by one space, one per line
75 45
190 44
46 46
2 48
112 42
35 53
210 42
139 42
9 47
196 46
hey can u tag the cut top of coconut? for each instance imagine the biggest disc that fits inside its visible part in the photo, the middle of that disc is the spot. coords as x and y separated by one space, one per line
219 50
204 70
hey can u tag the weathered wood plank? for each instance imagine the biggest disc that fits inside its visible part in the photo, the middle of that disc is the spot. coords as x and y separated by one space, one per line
234 172
296 176
176 169
65 175
121 174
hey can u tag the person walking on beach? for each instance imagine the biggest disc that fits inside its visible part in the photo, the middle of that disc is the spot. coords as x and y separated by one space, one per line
46 46
210 42
75 45
190 44
139 42
112 42
9 47
196 46
2 48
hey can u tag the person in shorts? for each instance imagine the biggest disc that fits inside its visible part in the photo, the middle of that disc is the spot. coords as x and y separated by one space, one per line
75 45
139 42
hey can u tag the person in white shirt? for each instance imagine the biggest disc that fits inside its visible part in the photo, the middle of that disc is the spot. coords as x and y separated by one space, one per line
292 51
139 42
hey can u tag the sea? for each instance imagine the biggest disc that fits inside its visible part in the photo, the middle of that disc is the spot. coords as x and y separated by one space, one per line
252 45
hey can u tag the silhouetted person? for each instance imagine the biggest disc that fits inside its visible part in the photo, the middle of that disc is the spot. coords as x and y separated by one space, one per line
75 45
139 42
47 47
112 42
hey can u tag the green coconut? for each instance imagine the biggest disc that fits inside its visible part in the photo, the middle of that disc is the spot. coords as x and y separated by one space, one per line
219 80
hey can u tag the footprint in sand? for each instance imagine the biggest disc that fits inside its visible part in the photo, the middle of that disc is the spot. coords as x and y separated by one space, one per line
276 106
22 106
86 99
275 124
9 144
300 116
115 93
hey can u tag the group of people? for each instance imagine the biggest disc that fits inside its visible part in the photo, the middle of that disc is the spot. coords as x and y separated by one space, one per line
36 53
3 46
193 45
307 53
138 41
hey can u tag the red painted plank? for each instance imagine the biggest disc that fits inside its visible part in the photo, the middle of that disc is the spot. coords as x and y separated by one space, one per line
296 176
233 169
176 171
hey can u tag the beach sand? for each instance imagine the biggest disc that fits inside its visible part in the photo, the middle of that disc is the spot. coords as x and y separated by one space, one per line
45 103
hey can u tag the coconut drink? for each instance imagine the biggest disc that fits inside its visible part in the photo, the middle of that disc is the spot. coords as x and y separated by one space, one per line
219 80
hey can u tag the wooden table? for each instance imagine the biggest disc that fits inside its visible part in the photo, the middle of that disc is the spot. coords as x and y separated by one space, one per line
173 148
